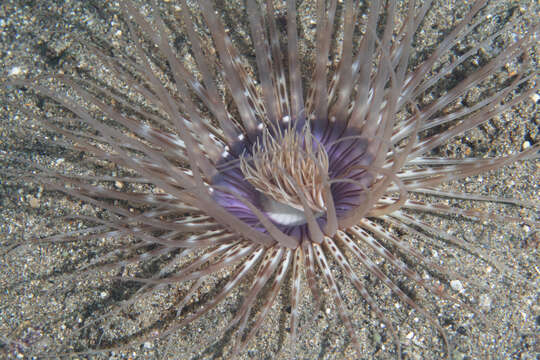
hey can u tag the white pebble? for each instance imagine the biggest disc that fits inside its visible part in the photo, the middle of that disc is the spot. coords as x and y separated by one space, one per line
456 285
16 70
485 302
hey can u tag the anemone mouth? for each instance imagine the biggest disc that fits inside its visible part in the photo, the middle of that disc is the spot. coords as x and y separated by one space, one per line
288 170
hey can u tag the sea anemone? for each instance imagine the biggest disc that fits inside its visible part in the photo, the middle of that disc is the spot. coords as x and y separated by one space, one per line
258 164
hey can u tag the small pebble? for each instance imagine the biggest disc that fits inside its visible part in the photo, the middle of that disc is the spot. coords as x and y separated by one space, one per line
456 285
16 71
485 302
34 203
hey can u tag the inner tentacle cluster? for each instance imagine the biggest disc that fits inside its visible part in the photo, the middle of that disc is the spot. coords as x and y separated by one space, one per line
286 164
284 170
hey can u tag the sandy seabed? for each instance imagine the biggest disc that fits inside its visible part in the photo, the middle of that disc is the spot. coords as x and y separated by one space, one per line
38 37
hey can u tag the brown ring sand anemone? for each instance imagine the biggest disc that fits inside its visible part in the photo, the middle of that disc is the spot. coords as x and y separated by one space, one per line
220 172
